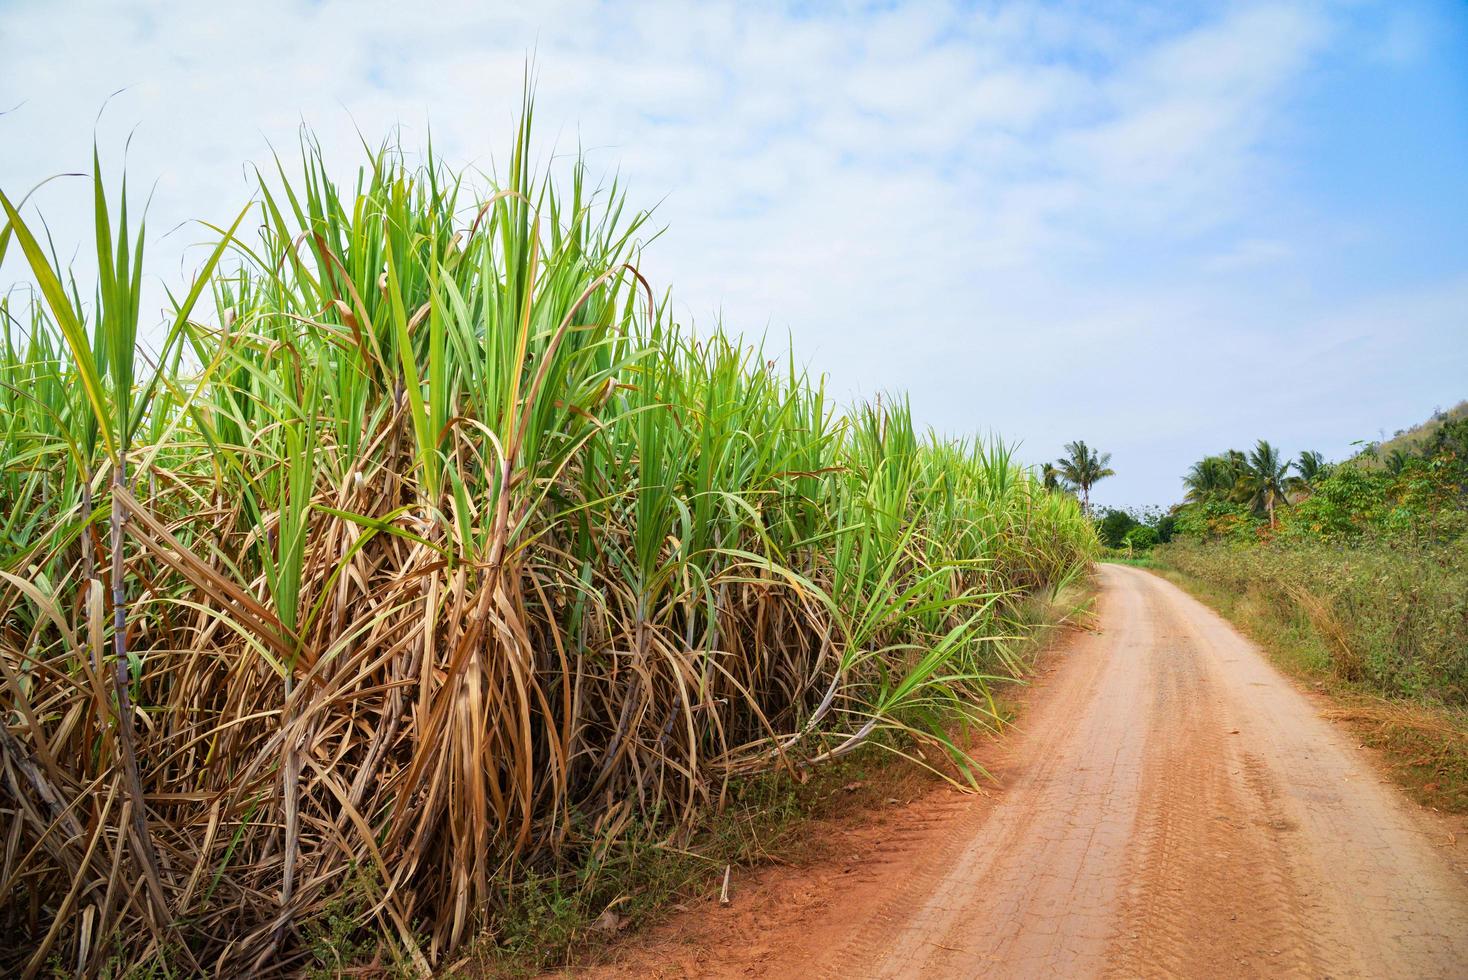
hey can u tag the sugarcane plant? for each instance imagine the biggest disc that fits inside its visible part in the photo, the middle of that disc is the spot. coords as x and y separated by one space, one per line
436 552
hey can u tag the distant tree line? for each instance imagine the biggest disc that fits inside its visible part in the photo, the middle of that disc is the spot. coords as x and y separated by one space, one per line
1135 529
1260 480
1131 530
1420 491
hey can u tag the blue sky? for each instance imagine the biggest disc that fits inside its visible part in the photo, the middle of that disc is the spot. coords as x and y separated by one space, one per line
1164 229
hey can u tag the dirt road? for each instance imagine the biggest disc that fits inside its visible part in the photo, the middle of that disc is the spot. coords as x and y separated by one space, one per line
1175 808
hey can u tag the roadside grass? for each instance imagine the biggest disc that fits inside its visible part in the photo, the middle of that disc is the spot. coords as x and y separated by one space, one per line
1424 745
552 922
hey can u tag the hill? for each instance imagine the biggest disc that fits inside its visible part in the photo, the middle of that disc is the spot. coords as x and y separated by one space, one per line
1411 440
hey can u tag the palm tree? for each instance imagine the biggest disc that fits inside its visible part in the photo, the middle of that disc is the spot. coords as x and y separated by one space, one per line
1082 467
1243 487
1211 477
1310 466
1266 478
1052 478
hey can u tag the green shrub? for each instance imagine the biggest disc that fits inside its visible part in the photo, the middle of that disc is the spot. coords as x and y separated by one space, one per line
1347 502
1114 526
1140 538
1130 529
1215 520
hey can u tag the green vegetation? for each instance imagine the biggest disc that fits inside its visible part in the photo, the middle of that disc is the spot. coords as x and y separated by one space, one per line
1128 533
1420 497
1376 557
1356 575
1079 470
443 563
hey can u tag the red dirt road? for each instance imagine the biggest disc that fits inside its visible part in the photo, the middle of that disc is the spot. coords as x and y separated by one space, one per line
1175 807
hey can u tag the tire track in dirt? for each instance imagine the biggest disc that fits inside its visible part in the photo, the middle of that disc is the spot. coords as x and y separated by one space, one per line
1211 891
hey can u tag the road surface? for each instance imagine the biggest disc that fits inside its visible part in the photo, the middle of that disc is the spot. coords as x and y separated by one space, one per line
1173 807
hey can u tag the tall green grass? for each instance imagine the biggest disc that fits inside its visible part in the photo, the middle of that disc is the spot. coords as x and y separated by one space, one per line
435 551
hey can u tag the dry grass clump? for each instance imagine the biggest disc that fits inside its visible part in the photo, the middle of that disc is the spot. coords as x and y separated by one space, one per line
443 553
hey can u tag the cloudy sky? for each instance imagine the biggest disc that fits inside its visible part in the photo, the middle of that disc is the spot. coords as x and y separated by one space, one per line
1162 228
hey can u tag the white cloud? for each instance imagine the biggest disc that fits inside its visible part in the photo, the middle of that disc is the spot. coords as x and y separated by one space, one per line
964 202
